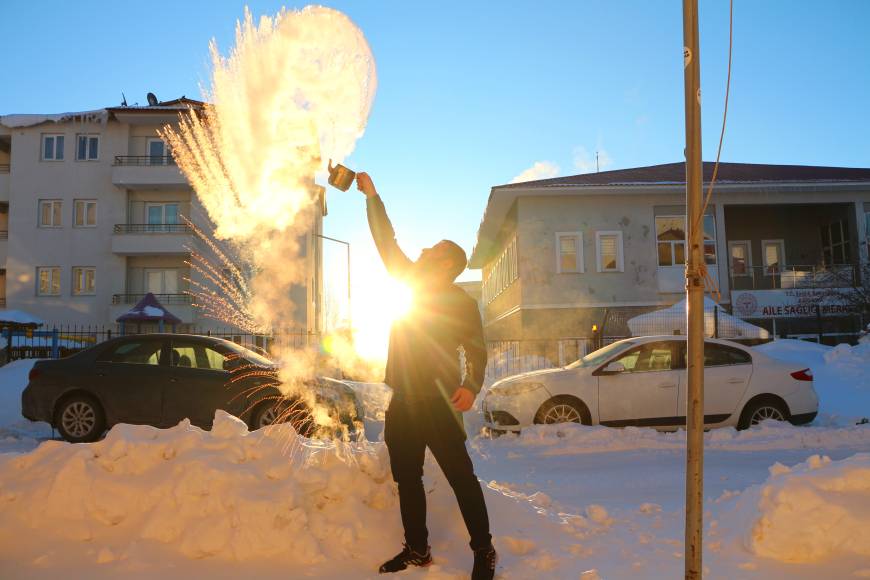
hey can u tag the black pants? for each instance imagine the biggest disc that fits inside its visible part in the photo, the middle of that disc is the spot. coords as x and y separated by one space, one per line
408 430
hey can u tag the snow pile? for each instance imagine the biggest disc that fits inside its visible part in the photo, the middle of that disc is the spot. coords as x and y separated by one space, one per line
576 439
813 511
222 493
184 502
840 375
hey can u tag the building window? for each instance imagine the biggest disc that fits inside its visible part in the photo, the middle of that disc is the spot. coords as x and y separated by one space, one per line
773 254
85 213
709 239
671 240
158 152
836 247
161 280
741 257
50 211
501 273
52 147
48 281
569 252
867 232
87 147
160 215
608 251
83 280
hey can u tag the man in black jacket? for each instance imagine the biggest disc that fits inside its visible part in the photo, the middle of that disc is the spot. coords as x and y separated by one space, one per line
430 389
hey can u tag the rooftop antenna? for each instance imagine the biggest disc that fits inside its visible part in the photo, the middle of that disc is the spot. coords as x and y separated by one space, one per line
152 100
123 99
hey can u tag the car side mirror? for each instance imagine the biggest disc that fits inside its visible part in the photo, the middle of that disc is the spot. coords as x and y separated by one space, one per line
613 368
231 364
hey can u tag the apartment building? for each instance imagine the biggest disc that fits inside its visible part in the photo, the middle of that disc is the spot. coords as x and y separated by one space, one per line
559 256
91 207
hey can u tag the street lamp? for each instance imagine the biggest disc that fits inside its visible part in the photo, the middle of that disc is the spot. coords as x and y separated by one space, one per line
347 245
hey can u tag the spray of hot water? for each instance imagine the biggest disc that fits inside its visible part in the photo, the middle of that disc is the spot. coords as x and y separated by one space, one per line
295 91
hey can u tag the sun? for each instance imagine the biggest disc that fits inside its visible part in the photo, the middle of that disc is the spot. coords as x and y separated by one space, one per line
378 301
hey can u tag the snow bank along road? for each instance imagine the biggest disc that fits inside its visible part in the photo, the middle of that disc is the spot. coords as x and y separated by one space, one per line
567 501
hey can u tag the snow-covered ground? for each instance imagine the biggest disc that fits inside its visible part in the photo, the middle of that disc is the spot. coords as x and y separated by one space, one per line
566 501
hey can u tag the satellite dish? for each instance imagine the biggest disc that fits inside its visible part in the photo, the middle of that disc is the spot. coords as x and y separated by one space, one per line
152 100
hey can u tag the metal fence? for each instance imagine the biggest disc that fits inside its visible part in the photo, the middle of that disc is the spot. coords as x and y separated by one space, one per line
794 276
56 341
139 160
153 229
177 298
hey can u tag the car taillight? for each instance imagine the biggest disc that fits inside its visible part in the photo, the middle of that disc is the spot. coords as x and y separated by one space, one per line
804 375
33 374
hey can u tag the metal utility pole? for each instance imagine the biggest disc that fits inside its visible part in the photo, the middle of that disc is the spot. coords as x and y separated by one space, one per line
349 303
694 294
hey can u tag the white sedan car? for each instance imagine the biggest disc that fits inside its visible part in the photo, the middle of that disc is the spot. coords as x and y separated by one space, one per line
642 382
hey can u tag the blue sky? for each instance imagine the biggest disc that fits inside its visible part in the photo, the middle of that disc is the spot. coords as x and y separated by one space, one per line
471 94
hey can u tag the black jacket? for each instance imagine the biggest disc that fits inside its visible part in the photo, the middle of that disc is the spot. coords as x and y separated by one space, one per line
423 363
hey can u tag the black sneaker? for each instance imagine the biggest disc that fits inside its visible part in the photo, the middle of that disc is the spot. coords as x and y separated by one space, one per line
485 560
407 557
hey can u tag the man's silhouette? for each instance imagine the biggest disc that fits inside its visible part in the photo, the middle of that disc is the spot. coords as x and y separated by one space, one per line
430 388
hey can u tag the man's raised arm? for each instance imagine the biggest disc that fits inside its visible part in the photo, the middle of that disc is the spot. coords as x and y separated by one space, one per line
397 263
475 349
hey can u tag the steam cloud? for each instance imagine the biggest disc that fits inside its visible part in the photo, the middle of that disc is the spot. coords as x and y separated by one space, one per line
295 91
540 170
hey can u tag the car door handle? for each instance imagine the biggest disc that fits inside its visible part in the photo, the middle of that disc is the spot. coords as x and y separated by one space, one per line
734 381
667 385
101 374
173 380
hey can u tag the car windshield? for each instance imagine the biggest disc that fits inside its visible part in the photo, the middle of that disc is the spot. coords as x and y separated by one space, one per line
602 354
249 355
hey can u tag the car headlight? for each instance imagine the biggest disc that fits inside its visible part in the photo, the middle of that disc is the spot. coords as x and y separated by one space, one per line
511 389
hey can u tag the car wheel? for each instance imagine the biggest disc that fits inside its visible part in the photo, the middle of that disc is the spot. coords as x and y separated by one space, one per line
761 410
563 410
294 412
80 419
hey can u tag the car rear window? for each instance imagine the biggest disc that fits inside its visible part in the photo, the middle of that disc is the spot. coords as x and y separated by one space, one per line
717 355
192 354
145 352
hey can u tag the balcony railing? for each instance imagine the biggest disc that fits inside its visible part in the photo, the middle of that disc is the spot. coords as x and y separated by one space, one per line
144 160
791 277
153 229
4 168
164 299
4 234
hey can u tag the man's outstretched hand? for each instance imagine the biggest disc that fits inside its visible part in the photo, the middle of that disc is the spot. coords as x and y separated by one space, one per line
365 185
462 399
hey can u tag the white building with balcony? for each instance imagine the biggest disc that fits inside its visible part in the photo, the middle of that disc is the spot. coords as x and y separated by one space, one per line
91 219
559 256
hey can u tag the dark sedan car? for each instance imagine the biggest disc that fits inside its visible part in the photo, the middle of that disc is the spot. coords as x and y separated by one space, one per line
160 379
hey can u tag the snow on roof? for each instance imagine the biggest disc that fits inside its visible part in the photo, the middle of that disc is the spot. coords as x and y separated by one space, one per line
28 120
17 121
148 309
673 319
19 317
